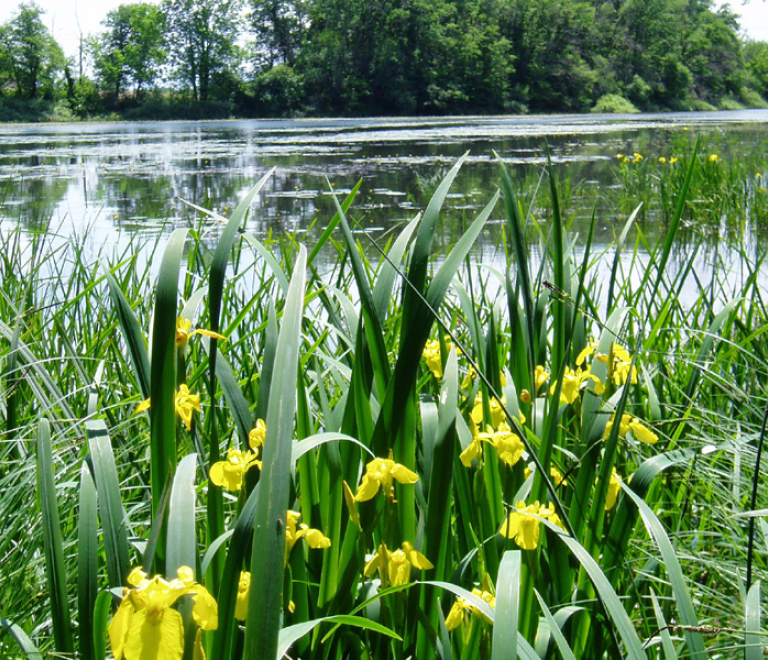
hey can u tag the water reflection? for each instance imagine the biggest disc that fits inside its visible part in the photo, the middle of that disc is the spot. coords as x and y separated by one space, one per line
131 177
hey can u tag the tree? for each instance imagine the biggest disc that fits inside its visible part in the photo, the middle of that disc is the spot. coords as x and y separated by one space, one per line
201 36
32 54
132 49
279 26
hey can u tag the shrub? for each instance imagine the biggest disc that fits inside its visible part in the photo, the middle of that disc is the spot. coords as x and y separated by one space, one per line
614 104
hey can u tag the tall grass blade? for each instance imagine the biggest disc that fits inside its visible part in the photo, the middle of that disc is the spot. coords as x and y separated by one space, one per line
137 348
224 637
101 612
293 633
554 630
669 241
666 639
109 502
516 230
87 561
182 541
676 578
162 412
608 596
265 600
507 606
22 639
422 248
55 566
753 646
238 406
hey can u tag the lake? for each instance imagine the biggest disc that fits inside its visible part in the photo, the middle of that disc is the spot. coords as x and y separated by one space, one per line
106 180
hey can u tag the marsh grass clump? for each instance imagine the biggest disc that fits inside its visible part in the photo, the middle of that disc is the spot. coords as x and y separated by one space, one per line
410 457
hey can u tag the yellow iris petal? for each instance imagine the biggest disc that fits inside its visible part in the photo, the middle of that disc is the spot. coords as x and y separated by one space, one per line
613 490
154 634
243 591
257 434
205 611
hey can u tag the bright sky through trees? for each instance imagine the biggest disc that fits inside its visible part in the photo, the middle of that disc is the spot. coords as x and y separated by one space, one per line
62 17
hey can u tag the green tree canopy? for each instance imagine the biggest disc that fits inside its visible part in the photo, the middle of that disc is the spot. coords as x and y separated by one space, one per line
132 49
31 54
201 35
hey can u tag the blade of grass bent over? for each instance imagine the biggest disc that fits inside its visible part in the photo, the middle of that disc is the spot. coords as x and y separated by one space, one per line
265 600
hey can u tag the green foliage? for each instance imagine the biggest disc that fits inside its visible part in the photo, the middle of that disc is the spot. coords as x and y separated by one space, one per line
31 55
361 360
201 41
131 50
278 92
281 58
613 103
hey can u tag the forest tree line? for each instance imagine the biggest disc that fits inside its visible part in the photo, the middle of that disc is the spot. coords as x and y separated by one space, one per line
288 58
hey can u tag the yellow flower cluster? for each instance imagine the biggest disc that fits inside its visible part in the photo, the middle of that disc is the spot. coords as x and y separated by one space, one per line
456 615
523 522
147 627
184 401
634 158
229 474
395 567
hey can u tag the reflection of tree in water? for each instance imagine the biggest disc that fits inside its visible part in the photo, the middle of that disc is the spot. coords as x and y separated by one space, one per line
31 202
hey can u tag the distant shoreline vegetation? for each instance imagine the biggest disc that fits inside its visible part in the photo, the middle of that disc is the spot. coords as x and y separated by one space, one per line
206 59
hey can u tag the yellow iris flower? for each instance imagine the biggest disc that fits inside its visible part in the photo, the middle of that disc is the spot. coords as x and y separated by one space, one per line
456 615
628 423
146 627
433 357
613 490
507 444
183 334
540 377
522 524
497 412
395 567
315 538
229 474
184 402
380 474
572 382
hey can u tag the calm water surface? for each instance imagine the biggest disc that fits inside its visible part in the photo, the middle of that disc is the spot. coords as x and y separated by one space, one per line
108 180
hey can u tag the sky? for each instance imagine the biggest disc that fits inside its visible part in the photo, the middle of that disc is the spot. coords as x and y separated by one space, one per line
68 18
